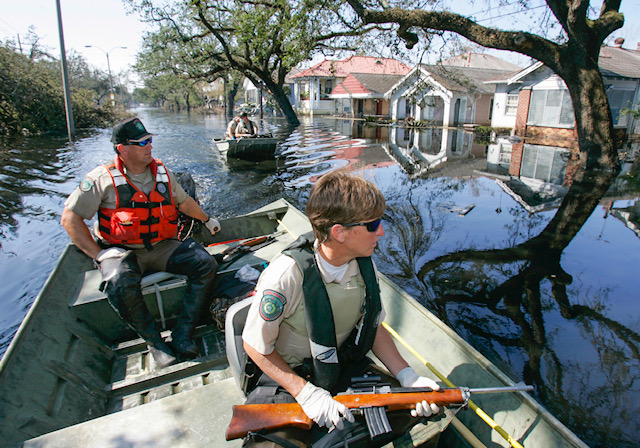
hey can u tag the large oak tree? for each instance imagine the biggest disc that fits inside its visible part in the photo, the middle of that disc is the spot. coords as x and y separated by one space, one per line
261 39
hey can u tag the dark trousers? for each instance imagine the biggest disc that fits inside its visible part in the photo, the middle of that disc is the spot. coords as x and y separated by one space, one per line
121 282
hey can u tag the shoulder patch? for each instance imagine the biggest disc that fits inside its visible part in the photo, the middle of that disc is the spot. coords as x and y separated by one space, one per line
271 305
86 184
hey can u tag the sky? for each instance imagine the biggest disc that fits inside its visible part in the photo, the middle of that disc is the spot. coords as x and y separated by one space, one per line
106 24
101 23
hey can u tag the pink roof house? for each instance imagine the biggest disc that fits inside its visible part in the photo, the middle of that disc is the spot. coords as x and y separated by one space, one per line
314 87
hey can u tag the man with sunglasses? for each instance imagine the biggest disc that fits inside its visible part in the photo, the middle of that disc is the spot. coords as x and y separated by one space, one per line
137 200
317 313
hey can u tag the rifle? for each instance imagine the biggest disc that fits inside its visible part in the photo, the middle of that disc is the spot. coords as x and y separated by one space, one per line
373 404
233 253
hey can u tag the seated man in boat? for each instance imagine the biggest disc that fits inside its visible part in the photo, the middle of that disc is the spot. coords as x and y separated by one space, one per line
241 126
137 200
317 312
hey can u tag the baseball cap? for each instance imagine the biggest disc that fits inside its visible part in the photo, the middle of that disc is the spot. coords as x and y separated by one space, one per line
129 130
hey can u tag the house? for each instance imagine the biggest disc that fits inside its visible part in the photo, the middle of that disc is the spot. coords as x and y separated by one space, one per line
445 95
363 94
313 87
253 94
541 99
536 104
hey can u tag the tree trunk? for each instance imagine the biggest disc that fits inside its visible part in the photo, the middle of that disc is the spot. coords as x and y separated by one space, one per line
594 123
282 100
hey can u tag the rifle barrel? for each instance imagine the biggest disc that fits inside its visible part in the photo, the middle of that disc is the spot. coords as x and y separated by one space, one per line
493 390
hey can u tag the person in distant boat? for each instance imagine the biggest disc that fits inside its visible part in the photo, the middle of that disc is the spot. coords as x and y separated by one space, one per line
137 201
241 126
317 313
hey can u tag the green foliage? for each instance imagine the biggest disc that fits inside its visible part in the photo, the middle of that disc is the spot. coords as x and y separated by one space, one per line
32 100
262 40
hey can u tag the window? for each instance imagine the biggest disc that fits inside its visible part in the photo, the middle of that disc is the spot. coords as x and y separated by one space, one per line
545 163
505 155
326 91
304 91
512 105
550 108
619 99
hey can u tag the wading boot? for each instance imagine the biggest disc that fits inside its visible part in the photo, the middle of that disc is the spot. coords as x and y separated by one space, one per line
161 352
146 327
121 282
192 260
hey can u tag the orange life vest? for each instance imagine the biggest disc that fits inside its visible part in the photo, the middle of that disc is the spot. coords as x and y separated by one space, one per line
139 218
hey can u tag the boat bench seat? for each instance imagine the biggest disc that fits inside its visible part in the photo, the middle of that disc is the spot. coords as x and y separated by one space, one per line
162 292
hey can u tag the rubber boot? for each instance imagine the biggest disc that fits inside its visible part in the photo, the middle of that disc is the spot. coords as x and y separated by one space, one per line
192 260
121 282
149 331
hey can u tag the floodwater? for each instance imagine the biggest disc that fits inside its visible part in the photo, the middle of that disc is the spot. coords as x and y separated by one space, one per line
541 278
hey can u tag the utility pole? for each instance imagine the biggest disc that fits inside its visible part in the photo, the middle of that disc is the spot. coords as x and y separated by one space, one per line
65 78
113 94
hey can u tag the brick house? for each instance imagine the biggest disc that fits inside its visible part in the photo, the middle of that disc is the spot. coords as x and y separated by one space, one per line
536 104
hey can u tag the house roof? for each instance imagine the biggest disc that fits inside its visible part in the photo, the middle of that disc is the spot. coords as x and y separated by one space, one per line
288 78
354 64
619 62
614 62
480 60
365 84
466 79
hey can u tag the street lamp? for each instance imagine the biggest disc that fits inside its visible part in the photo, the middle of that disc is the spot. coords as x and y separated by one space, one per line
113 96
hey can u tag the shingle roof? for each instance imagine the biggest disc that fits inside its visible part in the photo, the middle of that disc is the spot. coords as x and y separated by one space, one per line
480 60
619 62
614 62
465 79
355 64
366 84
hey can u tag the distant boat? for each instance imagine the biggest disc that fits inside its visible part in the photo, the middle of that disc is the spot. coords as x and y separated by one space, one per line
75 376
253 149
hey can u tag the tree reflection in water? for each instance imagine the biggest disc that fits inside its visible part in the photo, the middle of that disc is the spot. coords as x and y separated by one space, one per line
501 298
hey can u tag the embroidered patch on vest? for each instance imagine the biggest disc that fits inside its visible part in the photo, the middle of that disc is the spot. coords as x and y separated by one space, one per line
271 305
86 184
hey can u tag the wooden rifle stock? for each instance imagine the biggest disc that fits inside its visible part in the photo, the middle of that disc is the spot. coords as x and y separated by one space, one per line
254 417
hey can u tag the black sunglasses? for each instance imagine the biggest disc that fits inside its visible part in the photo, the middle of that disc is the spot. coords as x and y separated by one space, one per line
142 143
371 226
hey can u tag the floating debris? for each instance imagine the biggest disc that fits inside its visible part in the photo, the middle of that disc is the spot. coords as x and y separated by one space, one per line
453 208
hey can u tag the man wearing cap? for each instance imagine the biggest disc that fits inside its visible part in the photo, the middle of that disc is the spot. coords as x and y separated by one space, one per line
241 126
137 200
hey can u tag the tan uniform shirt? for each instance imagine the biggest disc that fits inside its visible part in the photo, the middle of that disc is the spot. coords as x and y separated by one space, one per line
276 318
96 190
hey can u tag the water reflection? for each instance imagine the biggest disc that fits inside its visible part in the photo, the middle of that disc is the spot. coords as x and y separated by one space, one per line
506 301
421 152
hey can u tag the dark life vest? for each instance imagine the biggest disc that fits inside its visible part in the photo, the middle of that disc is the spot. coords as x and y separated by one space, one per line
139 218
321 329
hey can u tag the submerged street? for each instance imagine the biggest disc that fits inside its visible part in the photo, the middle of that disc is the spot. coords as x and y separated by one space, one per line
540 277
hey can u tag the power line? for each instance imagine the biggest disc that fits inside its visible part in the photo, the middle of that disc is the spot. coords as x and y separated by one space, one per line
511 13
523 10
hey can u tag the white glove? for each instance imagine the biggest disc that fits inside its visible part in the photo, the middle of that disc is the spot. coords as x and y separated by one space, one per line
320 407
213 225
111 252
409 378
424 409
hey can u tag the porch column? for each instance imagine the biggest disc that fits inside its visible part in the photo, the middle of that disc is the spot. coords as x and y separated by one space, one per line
446 114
